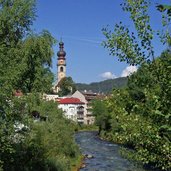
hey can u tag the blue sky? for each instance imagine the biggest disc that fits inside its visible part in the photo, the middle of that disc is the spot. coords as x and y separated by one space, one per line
79 23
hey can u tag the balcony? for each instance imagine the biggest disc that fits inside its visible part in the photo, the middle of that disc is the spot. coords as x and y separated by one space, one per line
89 114
80 112
80 118
80 115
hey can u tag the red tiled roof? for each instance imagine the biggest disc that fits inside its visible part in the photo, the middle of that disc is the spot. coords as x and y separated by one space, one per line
70 101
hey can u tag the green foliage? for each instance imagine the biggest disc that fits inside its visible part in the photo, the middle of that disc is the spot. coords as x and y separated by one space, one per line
153 81
99 110
16 17
25 57
15 23
67 86
42 145
83 127
166 18
37 53
25 64
139 116
135 48
103 86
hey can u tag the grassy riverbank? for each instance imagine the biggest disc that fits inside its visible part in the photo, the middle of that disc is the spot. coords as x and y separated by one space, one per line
76 164
86 128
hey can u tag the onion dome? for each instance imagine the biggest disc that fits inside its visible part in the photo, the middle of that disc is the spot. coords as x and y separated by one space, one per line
61 53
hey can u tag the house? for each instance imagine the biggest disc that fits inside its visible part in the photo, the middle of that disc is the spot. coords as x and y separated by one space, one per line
73 109
86 97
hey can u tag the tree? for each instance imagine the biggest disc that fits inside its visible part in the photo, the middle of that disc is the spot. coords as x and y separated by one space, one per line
17 45
25 57
67 86
16 18
140 114
25 60
35 66
101 113
136 48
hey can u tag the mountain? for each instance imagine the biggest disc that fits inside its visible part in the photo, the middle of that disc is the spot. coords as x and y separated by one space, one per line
103 86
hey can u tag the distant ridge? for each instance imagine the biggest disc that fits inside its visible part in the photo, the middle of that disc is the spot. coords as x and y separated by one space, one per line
103 86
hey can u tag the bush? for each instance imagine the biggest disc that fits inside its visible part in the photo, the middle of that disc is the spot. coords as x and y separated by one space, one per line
45 145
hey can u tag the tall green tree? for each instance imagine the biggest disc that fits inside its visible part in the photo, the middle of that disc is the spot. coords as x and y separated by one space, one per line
35 64
101 113
25 57
140 114
135 48
67 86
16 18
25 61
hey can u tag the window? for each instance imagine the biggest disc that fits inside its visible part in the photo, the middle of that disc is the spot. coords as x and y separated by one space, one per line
61 69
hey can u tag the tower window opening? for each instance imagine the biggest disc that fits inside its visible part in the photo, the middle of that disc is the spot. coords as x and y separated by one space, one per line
61 69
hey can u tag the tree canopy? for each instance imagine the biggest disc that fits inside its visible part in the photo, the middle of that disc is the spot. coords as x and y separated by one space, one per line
139 116
25 61
136 47
25 57
67 86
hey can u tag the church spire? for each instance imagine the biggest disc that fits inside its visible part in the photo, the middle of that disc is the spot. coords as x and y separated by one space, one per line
61 53
61 65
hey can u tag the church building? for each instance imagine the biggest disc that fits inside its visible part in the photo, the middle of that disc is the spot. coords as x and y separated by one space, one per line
61 66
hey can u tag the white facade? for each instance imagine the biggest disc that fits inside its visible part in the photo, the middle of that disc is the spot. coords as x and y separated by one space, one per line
70 111
88 117
49 97
73 111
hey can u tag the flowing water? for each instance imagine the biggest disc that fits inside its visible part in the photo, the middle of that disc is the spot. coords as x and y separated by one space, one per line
106 156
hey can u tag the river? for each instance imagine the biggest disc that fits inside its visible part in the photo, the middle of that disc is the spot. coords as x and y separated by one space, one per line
106 155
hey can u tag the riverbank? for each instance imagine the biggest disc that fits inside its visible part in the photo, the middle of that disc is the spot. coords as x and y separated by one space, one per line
76 165
79 163
79 128
127 152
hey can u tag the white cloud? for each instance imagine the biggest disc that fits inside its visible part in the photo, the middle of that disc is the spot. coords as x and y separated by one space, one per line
107 75
128 71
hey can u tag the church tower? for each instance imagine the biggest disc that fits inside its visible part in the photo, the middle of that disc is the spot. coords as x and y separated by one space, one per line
61 65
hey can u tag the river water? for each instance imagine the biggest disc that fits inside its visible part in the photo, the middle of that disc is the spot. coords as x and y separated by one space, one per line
106 154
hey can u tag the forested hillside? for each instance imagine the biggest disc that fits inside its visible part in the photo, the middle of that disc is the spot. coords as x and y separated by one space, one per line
103 86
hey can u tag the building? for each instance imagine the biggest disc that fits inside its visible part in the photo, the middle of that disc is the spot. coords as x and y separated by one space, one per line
49 97
61 66
73 109
86 97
